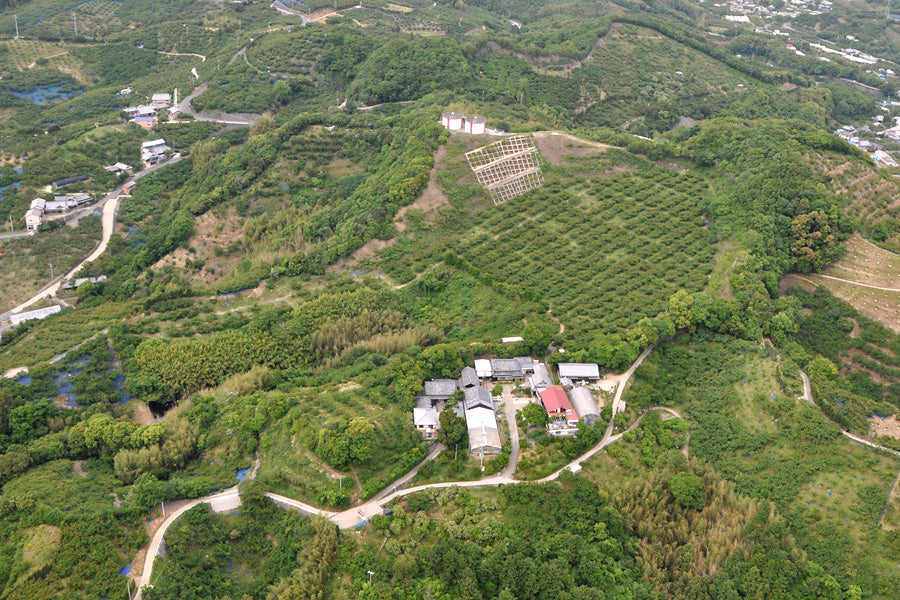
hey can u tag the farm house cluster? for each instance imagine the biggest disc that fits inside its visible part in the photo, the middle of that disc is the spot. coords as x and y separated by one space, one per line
566 404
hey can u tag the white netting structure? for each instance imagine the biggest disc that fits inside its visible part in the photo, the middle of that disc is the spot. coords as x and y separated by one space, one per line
507 168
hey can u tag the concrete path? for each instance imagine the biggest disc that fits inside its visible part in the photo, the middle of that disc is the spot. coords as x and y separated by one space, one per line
110 205
242 119
509 409
874 287
807 395
358 514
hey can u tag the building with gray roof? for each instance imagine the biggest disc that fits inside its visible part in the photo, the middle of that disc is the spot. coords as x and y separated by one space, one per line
468 378
541 378
505 369
477 396
579 371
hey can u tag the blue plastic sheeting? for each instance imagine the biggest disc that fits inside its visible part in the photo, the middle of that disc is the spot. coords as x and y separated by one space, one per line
360 525
43 95
242 473
124 571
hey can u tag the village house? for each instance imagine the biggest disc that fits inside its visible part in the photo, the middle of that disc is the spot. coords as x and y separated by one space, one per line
61 204
145 122
161 100
427 422
154 152
118 168
541 378
35 214
563 420
505 369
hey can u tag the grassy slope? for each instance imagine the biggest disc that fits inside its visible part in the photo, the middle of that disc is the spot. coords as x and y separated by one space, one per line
831 491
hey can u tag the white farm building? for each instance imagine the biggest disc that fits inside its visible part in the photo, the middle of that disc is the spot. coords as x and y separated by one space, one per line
455 121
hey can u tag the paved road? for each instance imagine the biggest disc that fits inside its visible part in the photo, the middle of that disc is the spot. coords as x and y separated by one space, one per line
807 395
243 119
509 410
280 7
353 516
110 204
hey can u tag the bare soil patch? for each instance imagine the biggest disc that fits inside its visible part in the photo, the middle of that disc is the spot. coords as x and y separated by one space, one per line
792 280
864 262
887 427
556 147
207 257
432 199
76 466
140 413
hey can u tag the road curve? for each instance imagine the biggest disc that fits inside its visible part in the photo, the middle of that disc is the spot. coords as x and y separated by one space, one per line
807 395
157 539
358 514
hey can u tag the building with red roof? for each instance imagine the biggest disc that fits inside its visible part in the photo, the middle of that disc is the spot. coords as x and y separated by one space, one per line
563 420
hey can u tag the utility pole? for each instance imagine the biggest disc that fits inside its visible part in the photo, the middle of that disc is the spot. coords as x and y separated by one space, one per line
51 271
75 21
370 573
11 226
128 583
164 509
16 18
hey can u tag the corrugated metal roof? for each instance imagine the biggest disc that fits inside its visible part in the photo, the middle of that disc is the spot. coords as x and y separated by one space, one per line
483 432
483 367
34 314
579 370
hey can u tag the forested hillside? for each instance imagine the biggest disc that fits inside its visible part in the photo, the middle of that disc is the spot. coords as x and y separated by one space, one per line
314 245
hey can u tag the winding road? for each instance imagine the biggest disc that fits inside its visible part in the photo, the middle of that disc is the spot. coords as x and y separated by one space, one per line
807 395
352 517
242 119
